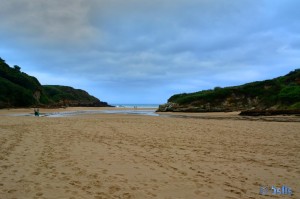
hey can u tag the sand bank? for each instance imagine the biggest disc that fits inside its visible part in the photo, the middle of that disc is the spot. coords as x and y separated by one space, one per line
127 156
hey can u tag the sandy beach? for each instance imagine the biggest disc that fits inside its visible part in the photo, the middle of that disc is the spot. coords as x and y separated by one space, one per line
134 156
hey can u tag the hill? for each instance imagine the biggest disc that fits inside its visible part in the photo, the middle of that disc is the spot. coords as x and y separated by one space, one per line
68 96
18 89
279 93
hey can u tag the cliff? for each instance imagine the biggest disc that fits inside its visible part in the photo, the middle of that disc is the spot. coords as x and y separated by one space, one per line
282 93
18 89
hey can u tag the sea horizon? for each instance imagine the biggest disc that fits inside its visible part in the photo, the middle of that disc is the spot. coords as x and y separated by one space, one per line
136 105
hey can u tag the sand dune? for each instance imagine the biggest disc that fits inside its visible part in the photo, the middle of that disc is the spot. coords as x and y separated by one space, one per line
125 156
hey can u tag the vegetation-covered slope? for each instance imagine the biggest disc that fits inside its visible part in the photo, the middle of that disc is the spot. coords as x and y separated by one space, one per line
17 89
57 93
66 95
279 93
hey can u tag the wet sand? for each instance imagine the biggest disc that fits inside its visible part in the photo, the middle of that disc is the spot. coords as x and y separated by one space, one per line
128 156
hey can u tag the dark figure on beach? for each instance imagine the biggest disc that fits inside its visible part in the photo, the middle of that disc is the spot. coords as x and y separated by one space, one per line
36 112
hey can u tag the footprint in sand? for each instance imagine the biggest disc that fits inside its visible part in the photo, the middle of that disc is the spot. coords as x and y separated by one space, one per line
104 171
96 183
199 185
93 176
11 191
39 194
75 183
85 188
100 195
151 194
197 192
134 188
126 196
35 173
113 189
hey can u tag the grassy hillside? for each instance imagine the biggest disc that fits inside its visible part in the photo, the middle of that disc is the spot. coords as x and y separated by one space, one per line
282 92
10 93
57 93
18 89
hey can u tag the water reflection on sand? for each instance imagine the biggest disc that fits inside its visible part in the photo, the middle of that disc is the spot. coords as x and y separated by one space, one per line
151 112
89 112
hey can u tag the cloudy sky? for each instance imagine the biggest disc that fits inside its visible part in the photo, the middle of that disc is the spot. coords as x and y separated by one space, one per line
144 51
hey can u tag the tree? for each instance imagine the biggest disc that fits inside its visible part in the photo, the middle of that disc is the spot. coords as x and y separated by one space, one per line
17 68
217 88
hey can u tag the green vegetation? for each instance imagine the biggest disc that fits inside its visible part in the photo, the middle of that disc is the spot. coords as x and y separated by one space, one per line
290 94
281 92
17 89
14 95
57 93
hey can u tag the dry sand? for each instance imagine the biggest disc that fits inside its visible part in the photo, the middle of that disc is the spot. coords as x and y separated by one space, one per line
127 156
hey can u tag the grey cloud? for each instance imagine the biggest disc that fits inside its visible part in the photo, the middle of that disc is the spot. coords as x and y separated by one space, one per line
46 22
166 46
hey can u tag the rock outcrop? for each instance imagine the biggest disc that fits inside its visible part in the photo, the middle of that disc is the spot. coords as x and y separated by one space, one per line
173 107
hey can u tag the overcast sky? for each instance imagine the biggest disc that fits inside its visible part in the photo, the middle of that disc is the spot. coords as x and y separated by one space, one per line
144 51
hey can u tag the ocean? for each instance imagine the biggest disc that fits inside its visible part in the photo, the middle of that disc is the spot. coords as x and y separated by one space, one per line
136 105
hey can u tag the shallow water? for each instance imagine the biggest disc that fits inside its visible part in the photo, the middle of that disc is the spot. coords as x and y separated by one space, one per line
88 112
153 113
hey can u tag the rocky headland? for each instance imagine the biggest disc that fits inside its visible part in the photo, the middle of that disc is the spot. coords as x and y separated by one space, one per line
270 97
